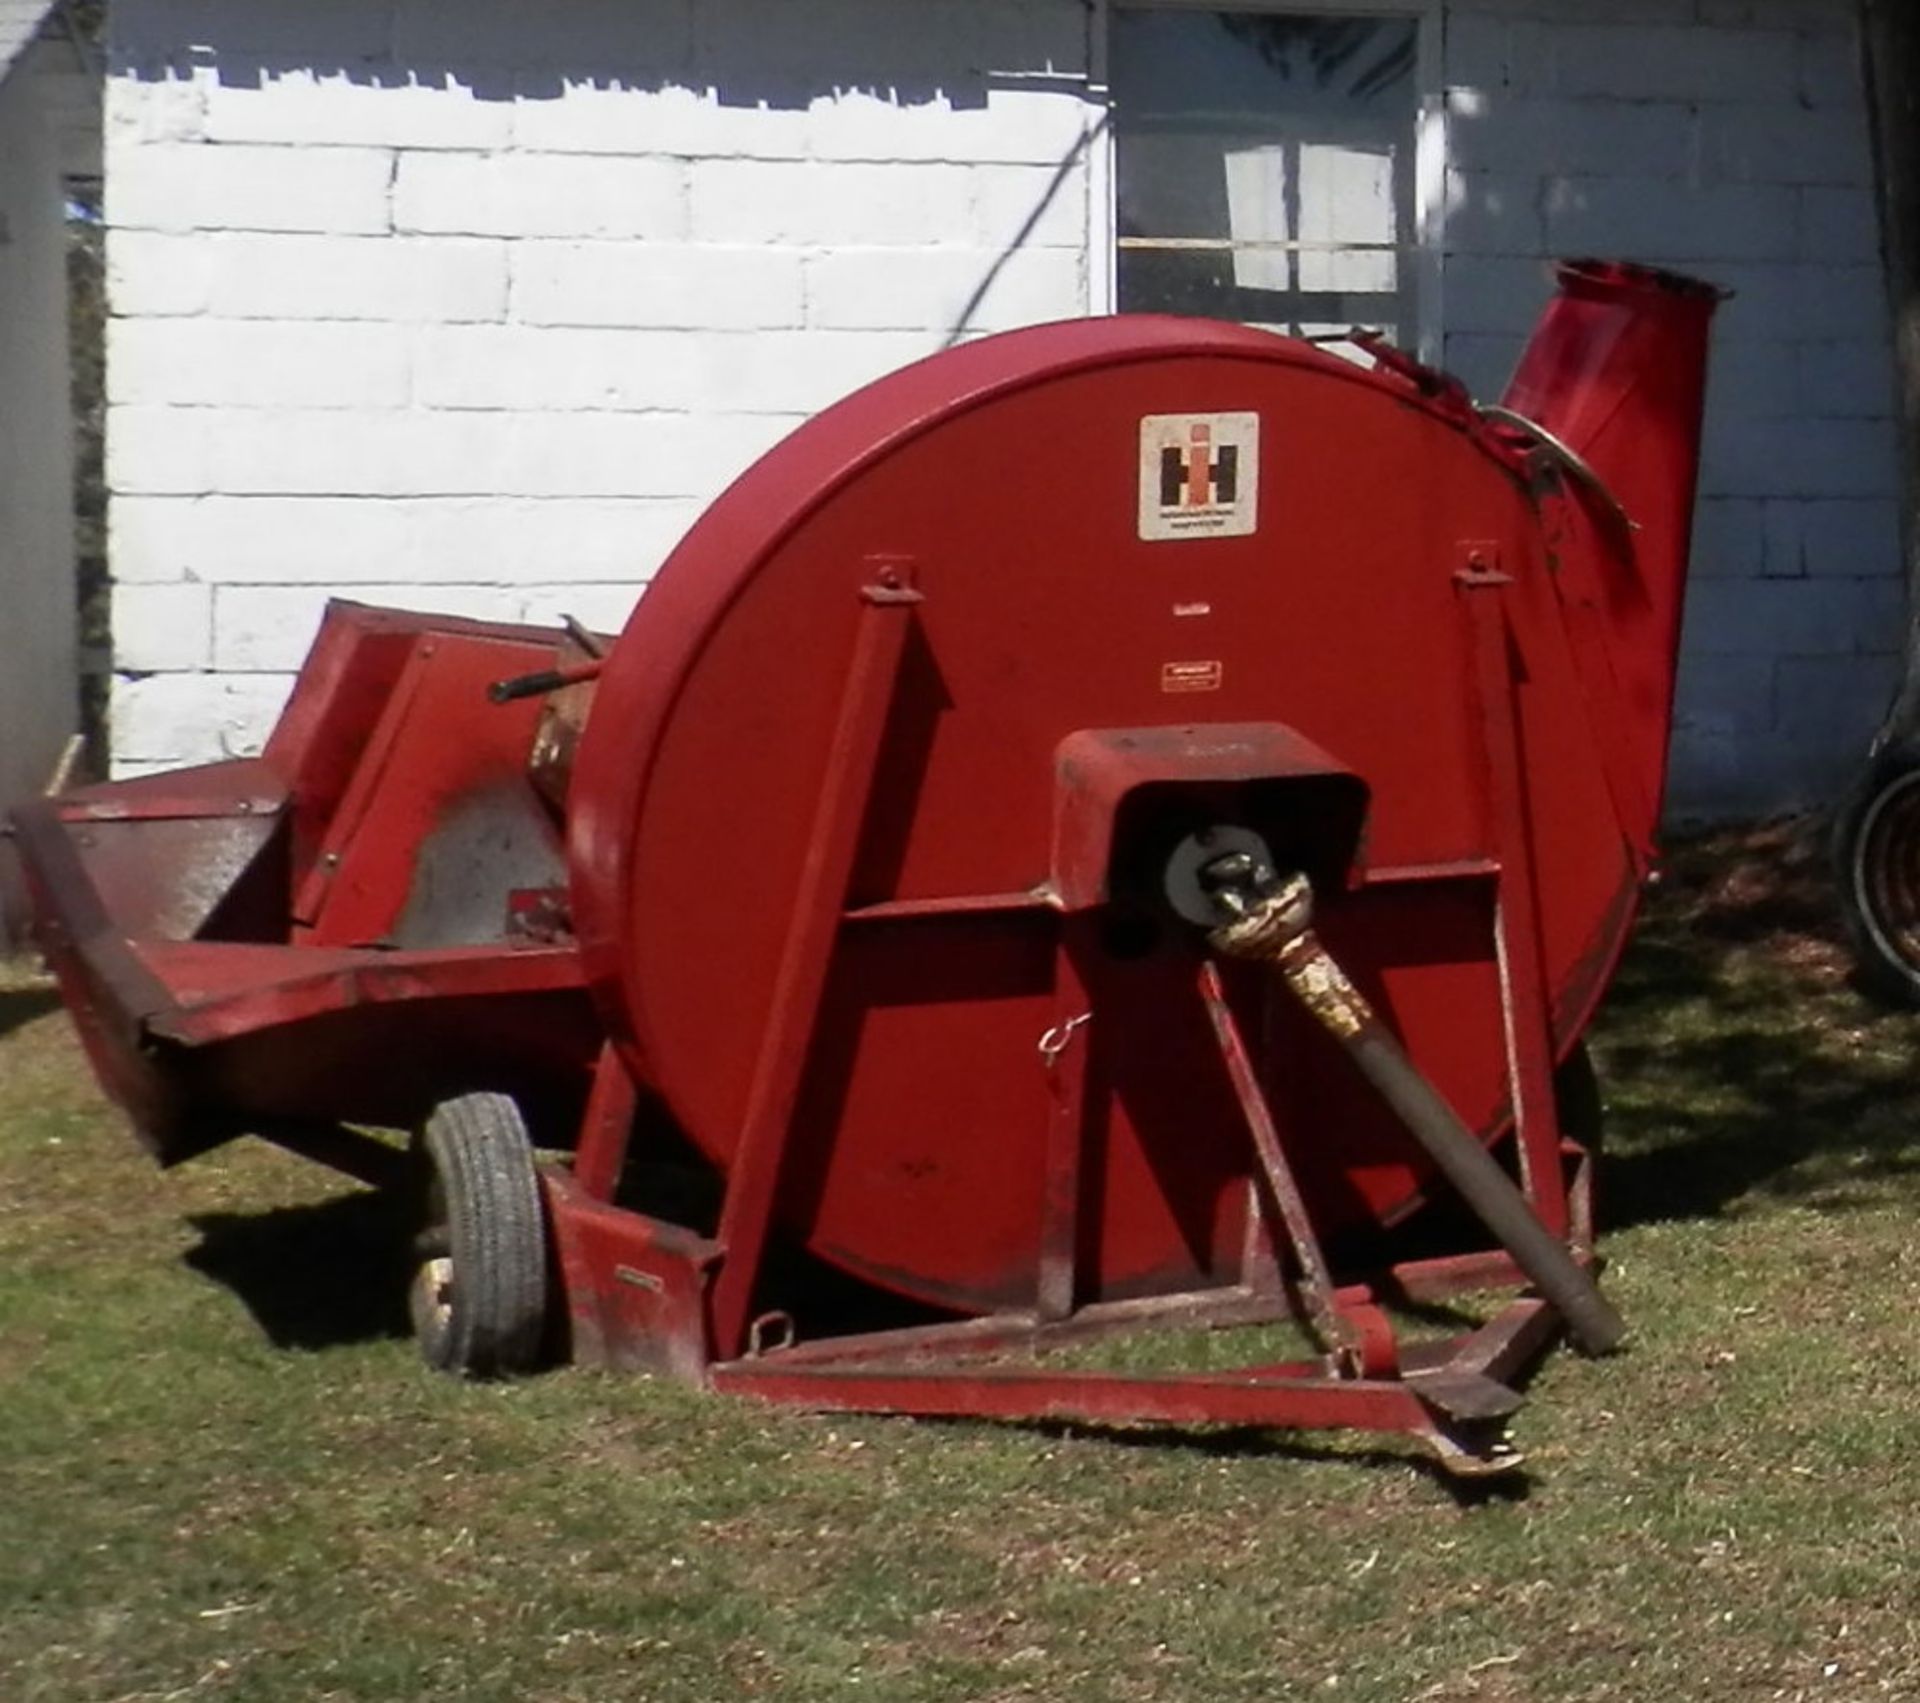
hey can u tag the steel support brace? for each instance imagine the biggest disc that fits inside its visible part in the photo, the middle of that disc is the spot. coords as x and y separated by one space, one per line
1523 987
886 609
1355 1331
608 1126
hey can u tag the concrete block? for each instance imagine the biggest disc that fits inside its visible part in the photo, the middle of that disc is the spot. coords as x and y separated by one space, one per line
1811 16
1676 62
1753 380
1729 538
194 718
1835 702
1495 213
158 627
1502 294
258 628
1669 221
1846 378
604 605
169 105
345 32
1010 126
151 273
257 363
476 602
795 372
743 46
432 279
1840 226
1794 301
1764 304
335 452
1784 143
1475 51
699 374
608 37
427 107
1640 139
1830 68
540 367
1483 363
944 290
1549 13
265 628
613 455
1802 617
158 451
540 195
1717 779
1835 538
812 204
1027 206
1724 697
348 452
153 540
1839 301
312 540
554 543
423 541
598 115
1798 458
657 286
209 187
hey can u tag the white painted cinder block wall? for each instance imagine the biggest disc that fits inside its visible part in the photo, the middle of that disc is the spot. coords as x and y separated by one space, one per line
471 304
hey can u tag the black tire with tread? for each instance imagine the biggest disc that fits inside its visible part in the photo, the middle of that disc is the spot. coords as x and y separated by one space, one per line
485 1218
1876 864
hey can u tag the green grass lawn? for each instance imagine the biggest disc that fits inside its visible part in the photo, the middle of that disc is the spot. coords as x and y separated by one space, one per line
223 1473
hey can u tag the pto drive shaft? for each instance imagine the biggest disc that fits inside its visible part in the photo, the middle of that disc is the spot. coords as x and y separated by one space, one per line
1272 922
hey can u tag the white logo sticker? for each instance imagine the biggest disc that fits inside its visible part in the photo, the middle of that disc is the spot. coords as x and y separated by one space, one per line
1199 475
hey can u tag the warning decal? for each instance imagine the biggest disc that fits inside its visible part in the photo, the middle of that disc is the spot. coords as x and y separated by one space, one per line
1191 676
1199 475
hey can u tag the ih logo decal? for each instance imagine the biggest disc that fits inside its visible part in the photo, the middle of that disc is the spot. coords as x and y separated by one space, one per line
1199 475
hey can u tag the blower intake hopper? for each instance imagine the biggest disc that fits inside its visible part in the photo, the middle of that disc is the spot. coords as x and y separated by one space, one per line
1102 827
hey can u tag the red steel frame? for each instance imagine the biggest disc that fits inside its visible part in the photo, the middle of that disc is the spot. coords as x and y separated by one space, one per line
644 1291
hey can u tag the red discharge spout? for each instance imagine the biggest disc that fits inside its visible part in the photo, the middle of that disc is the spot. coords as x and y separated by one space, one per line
1616 373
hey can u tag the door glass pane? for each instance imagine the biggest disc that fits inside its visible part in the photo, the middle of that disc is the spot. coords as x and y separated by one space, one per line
1265 167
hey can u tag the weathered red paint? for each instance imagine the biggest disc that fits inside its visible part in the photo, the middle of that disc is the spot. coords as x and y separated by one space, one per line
865 838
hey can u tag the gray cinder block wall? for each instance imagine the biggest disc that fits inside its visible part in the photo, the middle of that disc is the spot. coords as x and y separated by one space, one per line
1729 138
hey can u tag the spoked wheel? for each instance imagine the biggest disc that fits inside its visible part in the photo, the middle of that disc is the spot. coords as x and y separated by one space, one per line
1876 847
479 1294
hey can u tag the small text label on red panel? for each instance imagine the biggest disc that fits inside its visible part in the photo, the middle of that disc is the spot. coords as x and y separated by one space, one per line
1191 676
1199 475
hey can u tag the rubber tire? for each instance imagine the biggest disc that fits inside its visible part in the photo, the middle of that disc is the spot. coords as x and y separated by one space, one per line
1876 864
490 1318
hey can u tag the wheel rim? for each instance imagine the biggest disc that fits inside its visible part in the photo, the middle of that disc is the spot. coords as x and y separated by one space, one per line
432 1296
1886 872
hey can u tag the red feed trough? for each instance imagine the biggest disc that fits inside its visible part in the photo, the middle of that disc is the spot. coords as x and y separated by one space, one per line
1102 825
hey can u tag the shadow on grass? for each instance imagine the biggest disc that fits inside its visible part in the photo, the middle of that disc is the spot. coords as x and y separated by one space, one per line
1739 1058
1255 1442
20 1006
314 1276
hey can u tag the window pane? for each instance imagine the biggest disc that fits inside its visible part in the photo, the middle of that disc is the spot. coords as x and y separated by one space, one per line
1265 165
